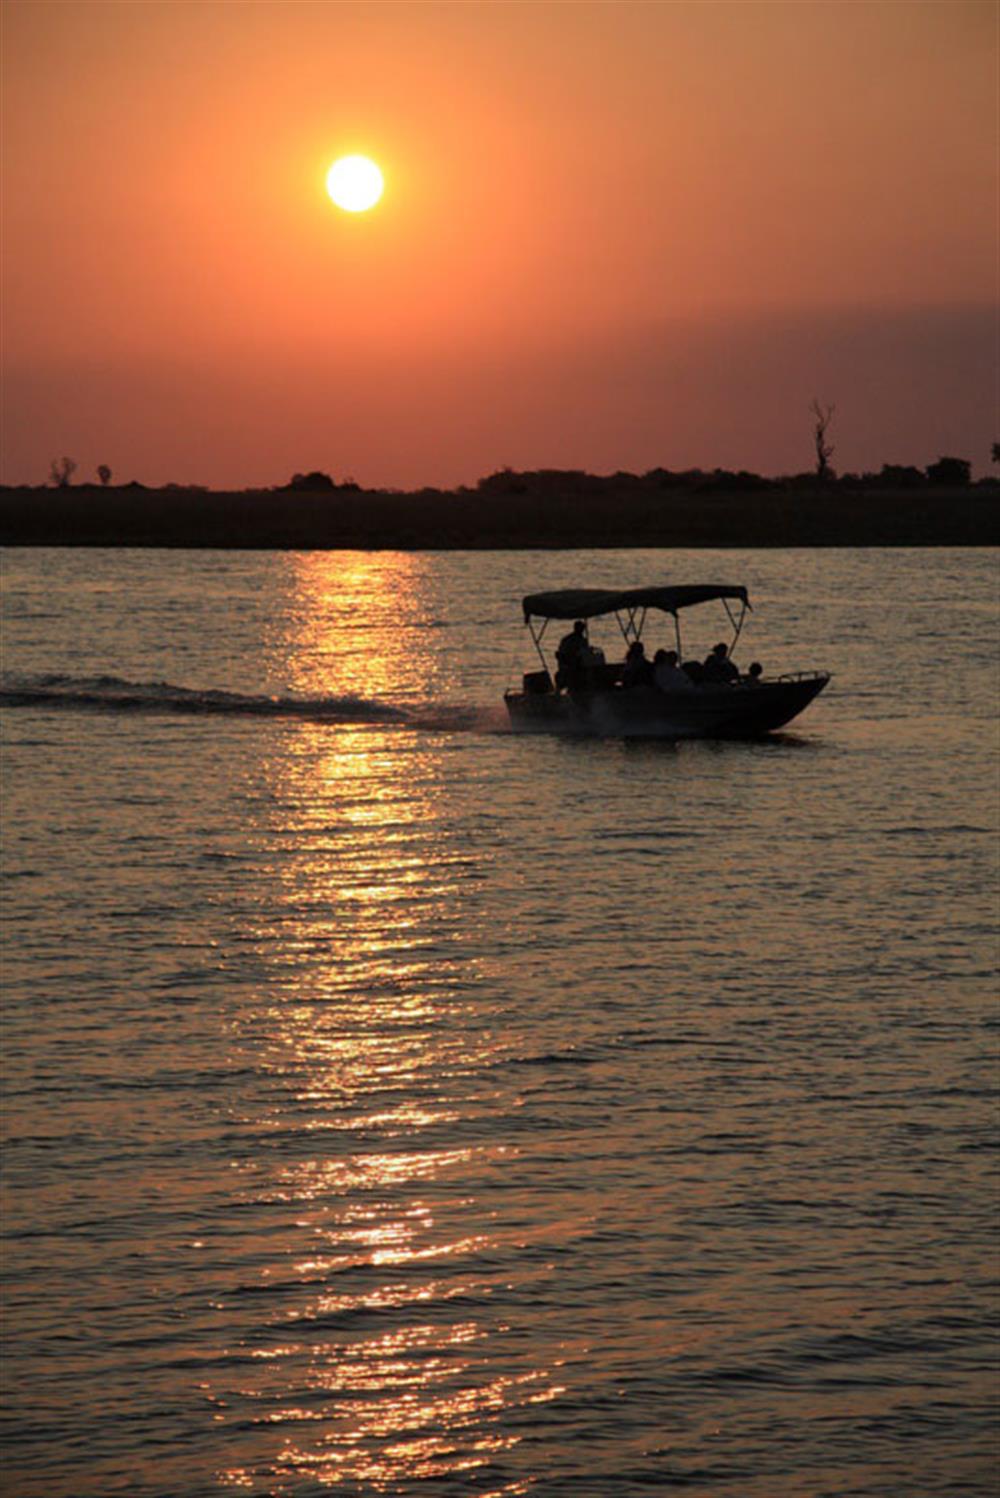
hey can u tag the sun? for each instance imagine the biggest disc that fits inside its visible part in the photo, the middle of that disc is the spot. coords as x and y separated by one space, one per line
354 183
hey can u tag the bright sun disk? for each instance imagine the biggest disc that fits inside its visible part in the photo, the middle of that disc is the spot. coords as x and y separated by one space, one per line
354 183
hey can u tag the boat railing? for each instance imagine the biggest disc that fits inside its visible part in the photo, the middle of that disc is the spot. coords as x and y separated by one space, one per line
800 676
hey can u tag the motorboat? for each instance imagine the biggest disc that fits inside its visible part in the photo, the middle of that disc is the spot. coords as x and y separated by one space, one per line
589 694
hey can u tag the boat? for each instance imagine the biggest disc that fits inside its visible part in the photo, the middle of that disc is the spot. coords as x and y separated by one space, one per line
594 697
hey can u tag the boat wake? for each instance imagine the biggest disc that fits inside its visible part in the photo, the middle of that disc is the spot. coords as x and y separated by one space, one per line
112 694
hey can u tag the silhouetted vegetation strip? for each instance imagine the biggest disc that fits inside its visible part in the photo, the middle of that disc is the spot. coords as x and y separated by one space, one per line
550 508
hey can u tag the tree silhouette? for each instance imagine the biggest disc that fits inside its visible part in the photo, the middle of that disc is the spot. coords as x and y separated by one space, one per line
824 449
317 479
955 471
61 471
104 474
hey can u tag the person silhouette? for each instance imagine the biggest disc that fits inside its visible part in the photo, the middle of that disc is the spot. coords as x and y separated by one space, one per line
667 674
638 672
570 656
718 666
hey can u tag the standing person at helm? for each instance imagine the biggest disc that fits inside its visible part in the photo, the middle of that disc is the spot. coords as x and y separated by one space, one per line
571 654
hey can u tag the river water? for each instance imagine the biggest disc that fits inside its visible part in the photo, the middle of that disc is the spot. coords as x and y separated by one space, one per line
395 1104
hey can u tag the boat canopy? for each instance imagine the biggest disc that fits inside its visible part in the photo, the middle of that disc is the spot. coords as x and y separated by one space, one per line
590 603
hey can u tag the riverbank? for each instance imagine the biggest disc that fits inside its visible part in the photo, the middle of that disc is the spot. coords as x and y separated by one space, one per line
615 514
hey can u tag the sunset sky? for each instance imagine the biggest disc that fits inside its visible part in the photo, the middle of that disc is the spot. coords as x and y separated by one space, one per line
613 236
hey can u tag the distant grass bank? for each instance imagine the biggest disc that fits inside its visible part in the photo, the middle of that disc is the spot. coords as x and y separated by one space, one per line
611 515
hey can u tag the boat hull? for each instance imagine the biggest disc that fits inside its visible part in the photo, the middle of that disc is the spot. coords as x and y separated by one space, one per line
704 712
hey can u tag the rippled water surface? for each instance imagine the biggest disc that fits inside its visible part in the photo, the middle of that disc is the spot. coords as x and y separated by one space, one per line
397 1104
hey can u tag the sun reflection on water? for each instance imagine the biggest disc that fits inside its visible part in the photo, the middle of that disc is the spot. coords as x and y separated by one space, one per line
375 1246
361 624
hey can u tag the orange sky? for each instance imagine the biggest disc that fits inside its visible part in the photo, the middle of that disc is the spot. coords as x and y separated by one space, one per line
613 236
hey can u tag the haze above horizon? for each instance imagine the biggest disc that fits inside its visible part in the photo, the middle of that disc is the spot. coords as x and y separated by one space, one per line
612 237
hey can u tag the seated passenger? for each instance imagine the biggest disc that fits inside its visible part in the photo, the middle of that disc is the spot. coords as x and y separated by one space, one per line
754 674
667 674
638 672
694 671
718 666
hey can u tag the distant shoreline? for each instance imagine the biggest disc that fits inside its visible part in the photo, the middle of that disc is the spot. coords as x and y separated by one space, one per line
615 512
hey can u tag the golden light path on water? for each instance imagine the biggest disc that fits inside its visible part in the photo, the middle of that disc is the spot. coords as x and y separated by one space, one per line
374 1056
345 631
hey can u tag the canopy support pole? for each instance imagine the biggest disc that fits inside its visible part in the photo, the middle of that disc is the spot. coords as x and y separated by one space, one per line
536 636
736 623
629 628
